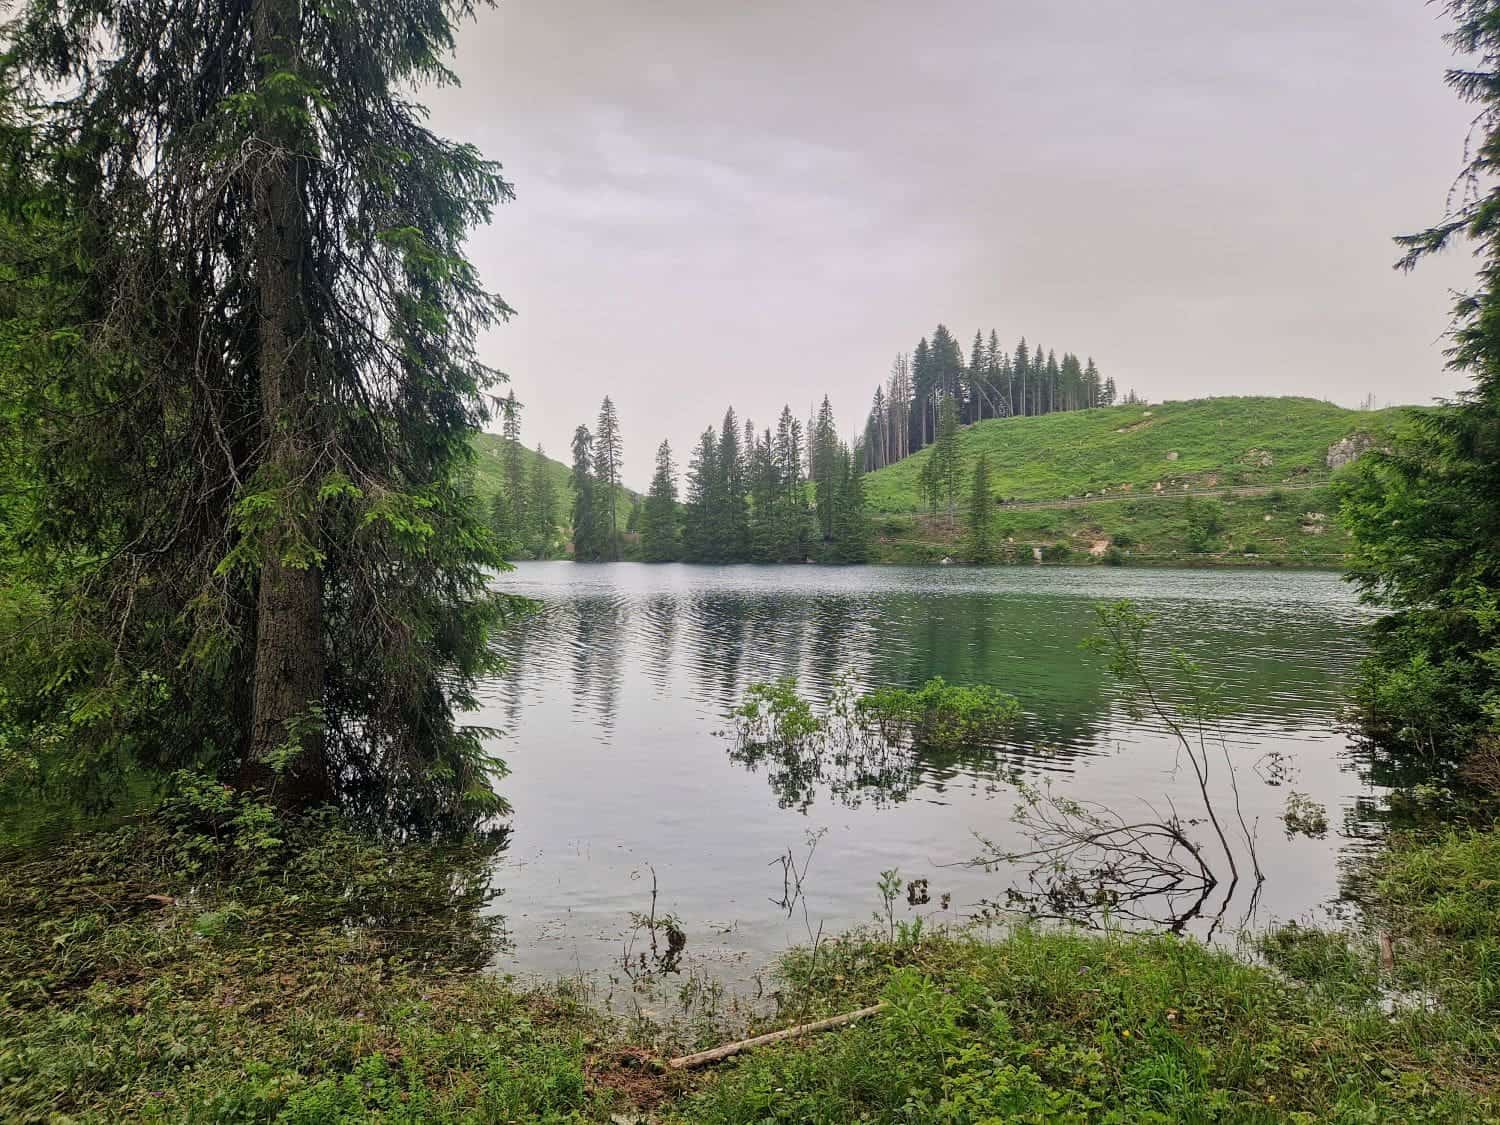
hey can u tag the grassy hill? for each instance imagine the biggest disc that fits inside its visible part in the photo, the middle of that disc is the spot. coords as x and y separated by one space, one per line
1136 465
489 475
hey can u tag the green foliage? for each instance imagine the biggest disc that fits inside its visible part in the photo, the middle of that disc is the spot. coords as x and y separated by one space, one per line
1048 1025
1425 513
1204 521
775 714
941 715
192 444
1442 900
315 974
319 976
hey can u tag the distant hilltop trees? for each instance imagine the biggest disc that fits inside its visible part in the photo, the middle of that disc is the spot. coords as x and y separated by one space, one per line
906 414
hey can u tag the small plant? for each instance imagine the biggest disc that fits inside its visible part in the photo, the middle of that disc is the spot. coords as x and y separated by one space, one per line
889 887
667 941
1057 553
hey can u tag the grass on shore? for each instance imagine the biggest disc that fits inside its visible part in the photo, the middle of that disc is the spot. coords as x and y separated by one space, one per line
225 968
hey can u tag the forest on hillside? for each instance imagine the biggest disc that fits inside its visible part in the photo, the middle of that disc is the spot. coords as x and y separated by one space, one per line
906 412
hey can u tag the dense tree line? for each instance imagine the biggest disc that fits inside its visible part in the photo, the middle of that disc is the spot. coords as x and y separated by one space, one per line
238 384
993 382
783 495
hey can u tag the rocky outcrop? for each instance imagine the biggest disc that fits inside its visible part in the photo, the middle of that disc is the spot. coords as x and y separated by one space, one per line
1349 450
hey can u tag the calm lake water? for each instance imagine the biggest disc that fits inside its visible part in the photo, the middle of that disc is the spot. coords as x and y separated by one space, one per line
614 712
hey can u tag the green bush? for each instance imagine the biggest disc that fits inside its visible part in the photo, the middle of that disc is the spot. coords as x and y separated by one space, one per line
773 714
940 714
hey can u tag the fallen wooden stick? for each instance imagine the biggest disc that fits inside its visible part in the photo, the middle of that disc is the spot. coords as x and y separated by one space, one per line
687 1062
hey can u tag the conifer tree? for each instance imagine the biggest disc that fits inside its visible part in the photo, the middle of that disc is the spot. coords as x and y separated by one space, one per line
791 522
974 381
854 540
760 482
825 448
608 453
514 464
274 346
732 514
659 519
947 470
981 514
700 539
1021 367
1426 514
500 522
586 541
541 507
923 385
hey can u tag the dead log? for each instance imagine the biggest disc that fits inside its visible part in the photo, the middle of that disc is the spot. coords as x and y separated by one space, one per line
687 1062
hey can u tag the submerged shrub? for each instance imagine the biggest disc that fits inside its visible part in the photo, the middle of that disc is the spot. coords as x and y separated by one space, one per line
774 714
940 714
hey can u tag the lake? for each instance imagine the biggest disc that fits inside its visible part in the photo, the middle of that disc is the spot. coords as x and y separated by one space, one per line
614 717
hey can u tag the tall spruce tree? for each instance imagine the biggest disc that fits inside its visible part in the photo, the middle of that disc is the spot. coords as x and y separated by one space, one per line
700 524
824 465
271 332
854 534
1021 367
608 453
659 520
923 387
587 543
732 515
514 462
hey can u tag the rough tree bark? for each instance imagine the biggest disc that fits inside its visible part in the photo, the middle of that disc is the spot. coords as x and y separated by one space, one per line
289 626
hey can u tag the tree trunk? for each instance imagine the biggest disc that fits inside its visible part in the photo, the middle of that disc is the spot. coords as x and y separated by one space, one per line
289 626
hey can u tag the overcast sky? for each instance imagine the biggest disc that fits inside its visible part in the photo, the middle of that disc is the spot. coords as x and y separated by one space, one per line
757 203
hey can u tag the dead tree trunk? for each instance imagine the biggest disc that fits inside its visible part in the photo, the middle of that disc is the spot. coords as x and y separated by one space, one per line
288 682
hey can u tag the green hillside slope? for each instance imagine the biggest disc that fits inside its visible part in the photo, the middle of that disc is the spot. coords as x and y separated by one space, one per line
1146 460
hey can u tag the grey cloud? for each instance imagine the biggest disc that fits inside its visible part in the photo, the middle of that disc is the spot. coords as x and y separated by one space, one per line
760 203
